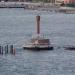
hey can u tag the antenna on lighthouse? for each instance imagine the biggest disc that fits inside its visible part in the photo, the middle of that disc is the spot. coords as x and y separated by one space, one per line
38 24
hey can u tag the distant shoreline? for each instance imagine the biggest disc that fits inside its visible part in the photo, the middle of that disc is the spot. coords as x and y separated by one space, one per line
38 6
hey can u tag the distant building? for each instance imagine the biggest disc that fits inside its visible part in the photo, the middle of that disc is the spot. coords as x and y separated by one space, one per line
69 1
48 1
52 1
59 1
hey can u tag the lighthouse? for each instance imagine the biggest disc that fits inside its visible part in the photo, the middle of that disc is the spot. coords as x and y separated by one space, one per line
38 42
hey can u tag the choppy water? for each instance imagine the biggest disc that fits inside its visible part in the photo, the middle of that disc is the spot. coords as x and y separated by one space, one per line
17 25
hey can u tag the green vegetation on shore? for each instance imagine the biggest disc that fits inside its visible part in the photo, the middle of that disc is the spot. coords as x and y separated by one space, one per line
70 5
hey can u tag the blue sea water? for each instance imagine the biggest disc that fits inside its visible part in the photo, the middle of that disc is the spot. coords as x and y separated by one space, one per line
18 25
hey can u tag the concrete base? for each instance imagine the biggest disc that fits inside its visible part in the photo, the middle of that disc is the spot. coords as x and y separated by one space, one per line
38 48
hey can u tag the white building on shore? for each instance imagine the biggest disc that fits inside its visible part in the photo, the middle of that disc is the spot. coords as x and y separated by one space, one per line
59 1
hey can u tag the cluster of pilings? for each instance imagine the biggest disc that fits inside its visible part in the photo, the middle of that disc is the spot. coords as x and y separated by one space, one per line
7 49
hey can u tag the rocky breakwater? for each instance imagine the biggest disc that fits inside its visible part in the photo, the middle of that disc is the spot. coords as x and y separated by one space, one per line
12 5
67 10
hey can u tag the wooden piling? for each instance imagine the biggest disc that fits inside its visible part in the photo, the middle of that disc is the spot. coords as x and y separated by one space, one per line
11 49
0 49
